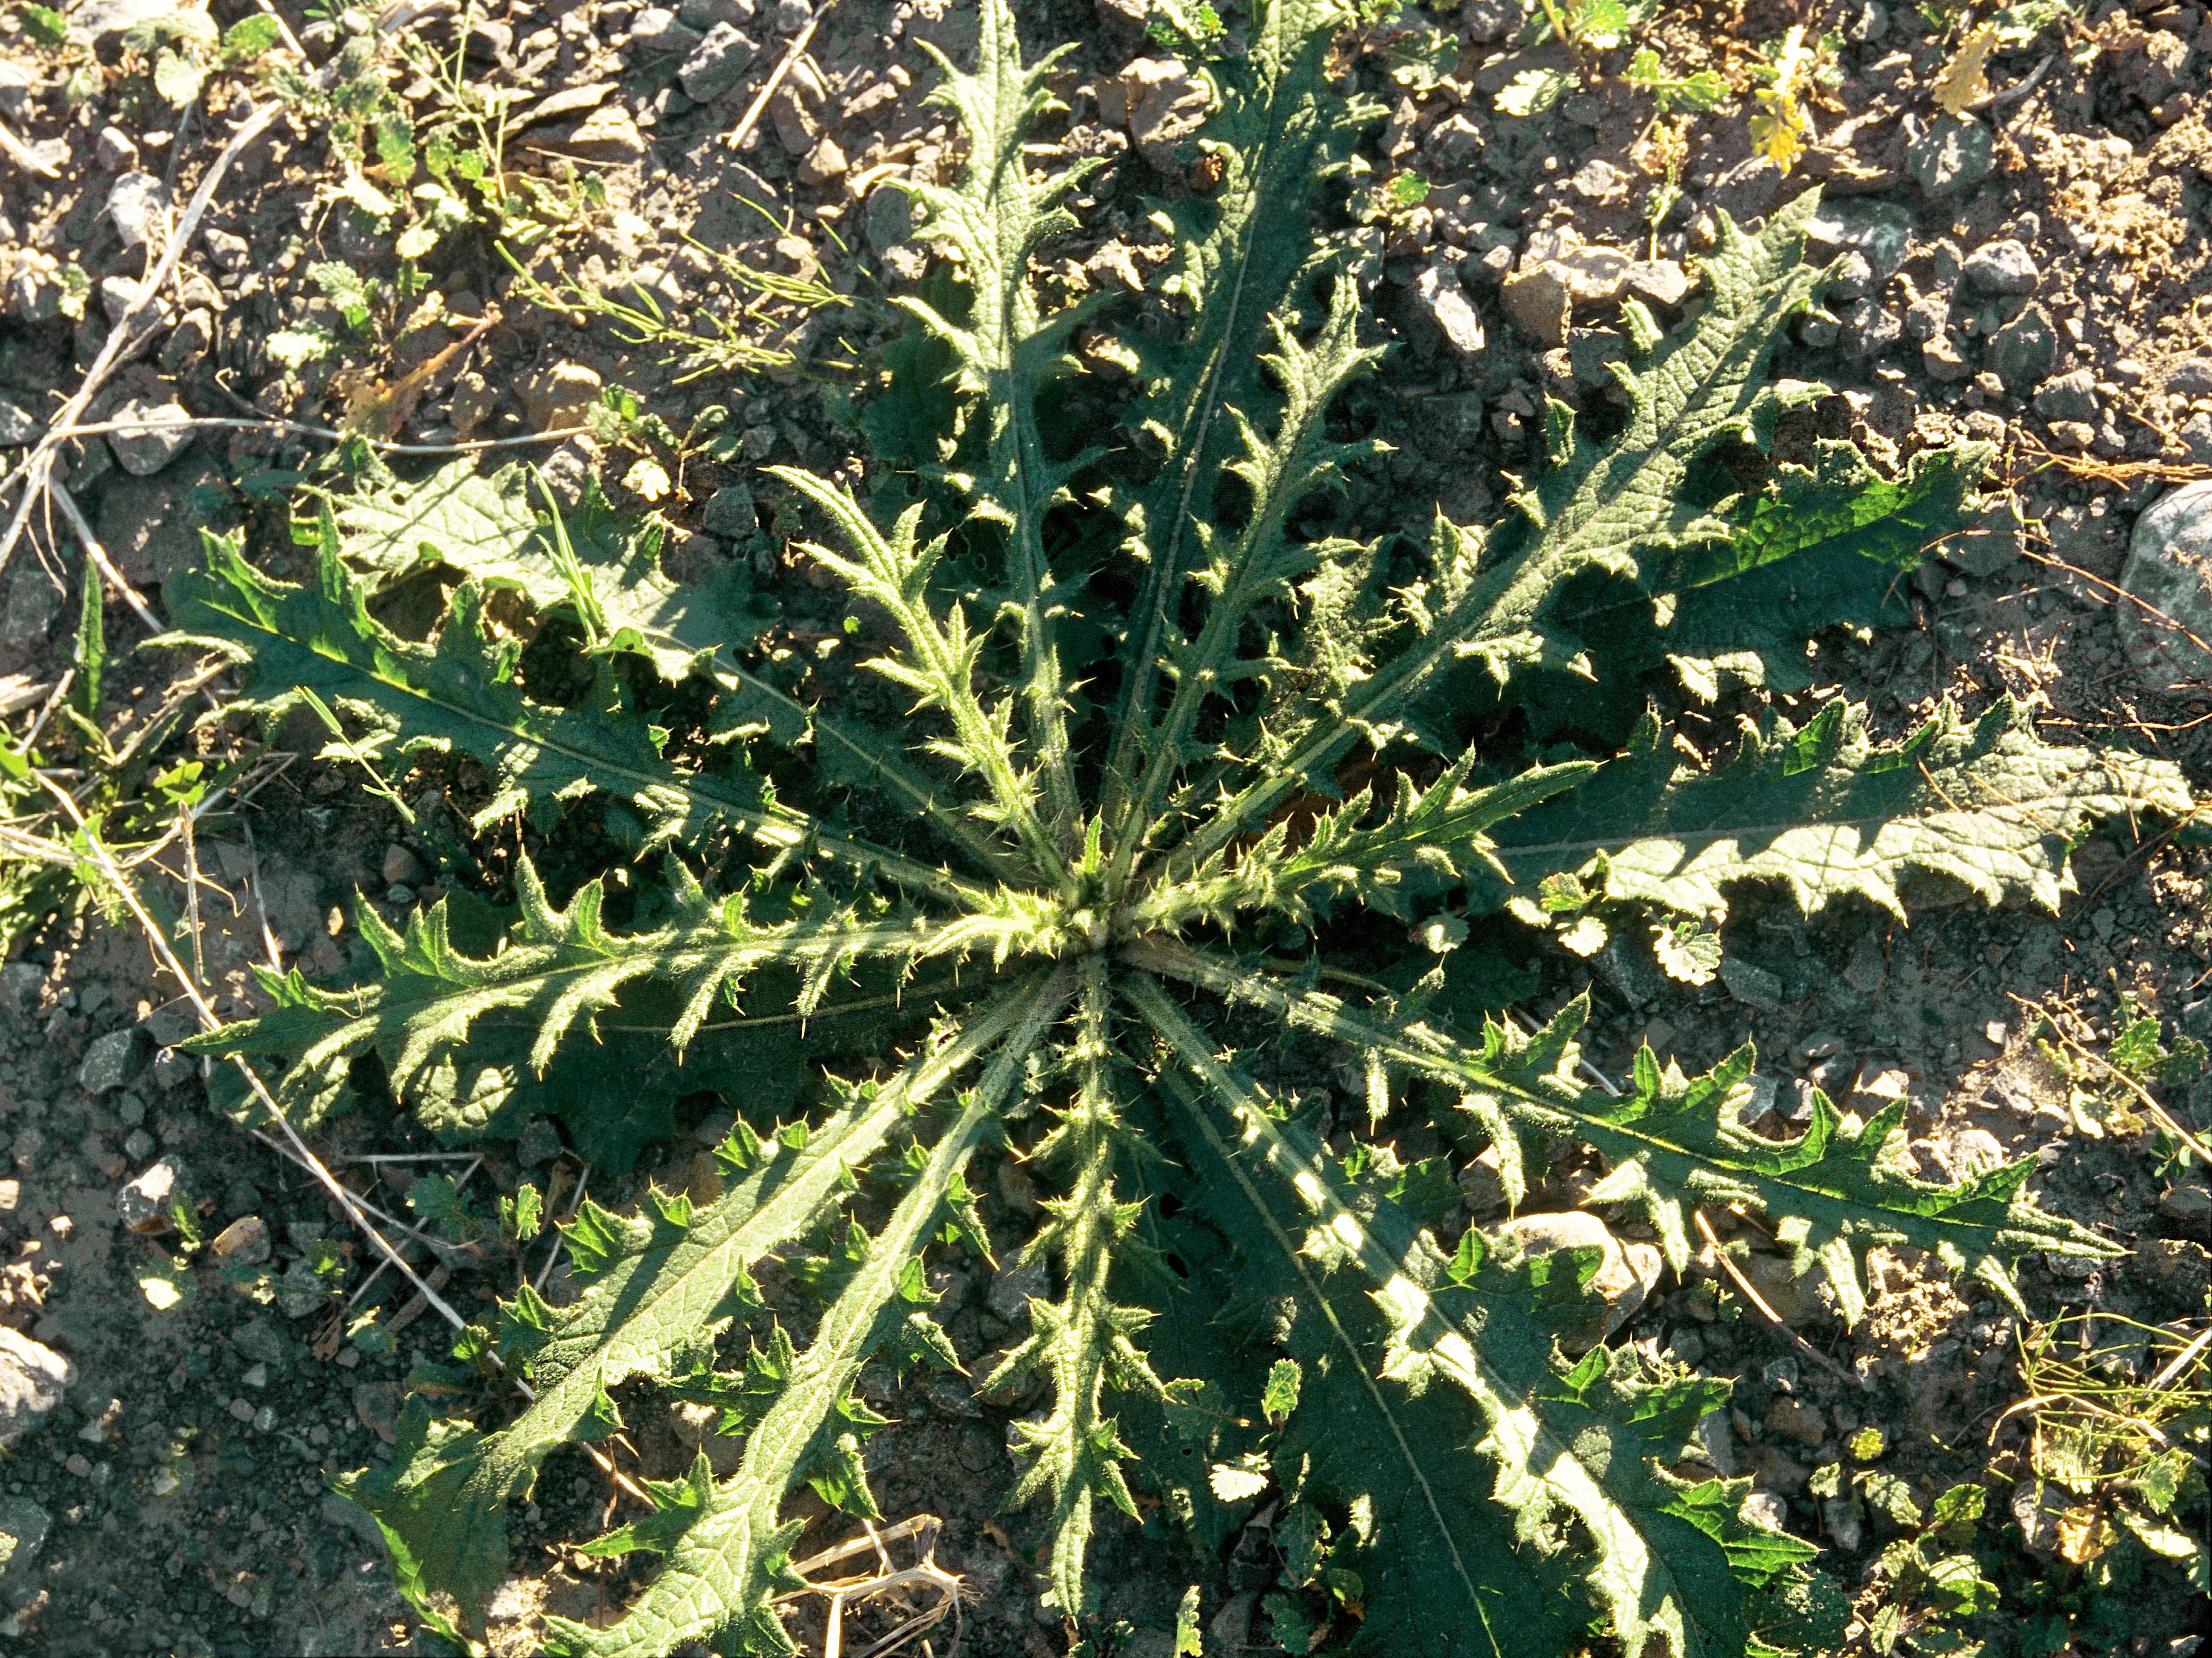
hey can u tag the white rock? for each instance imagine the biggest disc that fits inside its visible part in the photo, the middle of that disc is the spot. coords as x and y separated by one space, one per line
135 201
142 450
1626 1273
32 1379
1439 291
143 1205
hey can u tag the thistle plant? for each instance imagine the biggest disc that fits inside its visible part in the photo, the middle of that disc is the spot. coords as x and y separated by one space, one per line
1175 773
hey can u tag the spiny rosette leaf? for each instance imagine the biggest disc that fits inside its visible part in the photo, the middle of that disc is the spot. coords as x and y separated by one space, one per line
654 1287
556 973
1829 813
1657 1575
460 695
1675 1141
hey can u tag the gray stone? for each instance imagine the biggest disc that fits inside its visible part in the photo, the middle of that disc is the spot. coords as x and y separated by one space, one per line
703 14
1751 984
2021 353
2192 378
114 150
230 254
791 16
1952 156
188 341
96 20
401 866
19 987
112 1061
143 1205
1460 416
1975 1152
1596 180
2005 267
123 298
1852 278
718 63
1928 317
23 1528
1993 543
144 450
539 1144
1485 21
1164 108
1626 1272
17 85
2188 1202
1880 231
1660 281
1767 1510
1014 1286
301 1289
1593 352
2070 397
135 202
1839 1518
729 512
1748 189
1437 291
18 425
260 1342
1453 144
887 220
1869 329
36 295
32 1379
245 1241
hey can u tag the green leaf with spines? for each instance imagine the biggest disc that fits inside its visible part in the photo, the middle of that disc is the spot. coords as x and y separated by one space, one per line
651 1286
721 1571
488 530
1673 1141
558 972
1827 813
459 693
1242 254
1574 1448
1616 509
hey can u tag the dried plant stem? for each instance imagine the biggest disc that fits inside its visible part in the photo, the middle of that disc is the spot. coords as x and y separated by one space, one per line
2157 1113
1798 1344
793 54
299 1151
304 428
35 473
